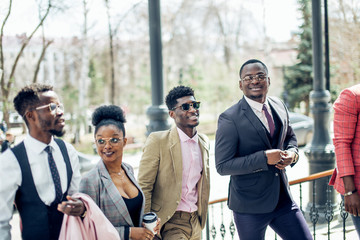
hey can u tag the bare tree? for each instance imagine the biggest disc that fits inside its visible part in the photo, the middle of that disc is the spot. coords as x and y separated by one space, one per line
344 43
84 78
6 84
112 34
228 24
45 44
112 61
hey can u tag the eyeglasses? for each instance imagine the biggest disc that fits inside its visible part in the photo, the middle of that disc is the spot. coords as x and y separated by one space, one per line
53 108
113 141
258 77
186 106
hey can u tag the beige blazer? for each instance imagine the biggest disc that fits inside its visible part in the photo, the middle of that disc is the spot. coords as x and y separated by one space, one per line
160 175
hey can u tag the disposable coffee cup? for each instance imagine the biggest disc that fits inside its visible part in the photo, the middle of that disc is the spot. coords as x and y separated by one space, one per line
150 220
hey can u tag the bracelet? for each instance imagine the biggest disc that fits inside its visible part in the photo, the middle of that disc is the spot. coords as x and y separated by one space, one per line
350 193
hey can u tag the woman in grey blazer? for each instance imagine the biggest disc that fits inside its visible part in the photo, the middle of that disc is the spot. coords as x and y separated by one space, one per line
111 183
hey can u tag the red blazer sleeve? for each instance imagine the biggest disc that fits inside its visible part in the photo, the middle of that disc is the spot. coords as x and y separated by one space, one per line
347 131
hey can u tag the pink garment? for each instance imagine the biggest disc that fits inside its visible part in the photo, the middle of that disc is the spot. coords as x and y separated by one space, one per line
94 226
191 172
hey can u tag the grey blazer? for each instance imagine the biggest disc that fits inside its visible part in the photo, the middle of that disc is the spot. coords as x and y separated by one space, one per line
241 140
98 185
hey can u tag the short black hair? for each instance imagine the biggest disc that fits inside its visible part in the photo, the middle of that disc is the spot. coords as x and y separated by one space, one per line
109 115
29 97
176 93
250 62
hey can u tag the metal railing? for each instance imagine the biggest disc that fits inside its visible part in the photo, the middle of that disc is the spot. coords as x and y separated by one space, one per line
320 219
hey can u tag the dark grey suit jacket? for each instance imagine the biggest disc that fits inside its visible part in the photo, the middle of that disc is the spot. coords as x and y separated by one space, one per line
241 140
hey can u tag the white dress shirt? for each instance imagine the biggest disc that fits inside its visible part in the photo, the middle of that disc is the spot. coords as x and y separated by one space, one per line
257 109
11 178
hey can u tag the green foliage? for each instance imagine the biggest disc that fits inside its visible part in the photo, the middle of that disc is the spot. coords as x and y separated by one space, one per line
298 78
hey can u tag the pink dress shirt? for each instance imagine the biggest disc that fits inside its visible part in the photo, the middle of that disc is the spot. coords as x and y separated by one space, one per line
191 173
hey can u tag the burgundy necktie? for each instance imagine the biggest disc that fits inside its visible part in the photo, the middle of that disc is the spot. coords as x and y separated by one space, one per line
55 175
270 121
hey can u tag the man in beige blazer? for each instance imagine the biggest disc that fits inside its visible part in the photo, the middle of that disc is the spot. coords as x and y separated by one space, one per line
174 170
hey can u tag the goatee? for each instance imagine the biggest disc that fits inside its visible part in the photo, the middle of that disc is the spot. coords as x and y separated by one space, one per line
57 133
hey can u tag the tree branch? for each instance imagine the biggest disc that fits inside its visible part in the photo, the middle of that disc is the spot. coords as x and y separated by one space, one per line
41 58
2 83
25 43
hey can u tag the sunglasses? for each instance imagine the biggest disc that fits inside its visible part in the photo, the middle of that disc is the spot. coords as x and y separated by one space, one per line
258 77
53 108
101 142
186 106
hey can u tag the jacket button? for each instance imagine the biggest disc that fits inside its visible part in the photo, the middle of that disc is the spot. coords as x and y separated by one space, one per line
177 202
276 174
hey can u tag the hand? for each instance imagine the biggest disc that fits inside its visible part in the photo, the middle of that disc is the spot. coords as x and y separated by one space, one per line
352 204
141 233
286 158
157 227
273 156
72 207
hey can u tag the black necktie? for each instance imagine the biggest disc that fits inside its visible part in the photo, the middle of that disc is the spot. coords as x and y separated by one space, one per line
269 120
55 176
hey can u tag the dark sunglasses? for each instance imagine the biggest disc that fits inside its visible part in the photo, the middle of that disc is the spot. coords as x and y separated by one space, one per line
186 106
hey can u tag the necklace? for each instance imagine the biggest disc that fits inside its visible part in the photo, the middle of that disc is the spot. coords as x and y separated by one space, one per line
120 174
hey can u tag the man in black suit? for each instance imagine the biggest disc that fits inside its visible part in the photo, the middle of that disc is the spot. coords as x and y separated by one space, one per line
254 144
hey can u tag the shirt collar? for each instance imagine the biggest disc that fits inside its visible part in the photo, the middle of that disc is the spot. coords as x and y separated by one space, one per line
36 145
183 137
256 105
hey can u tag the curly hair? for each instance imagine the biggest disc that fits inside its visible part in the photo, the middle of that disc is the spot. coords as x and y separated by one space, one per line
29 97
108 115
250 62
176 93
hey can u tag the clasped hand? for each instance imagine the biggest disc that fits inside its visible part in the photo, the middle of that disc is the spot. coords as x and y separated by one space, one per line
73 207
279 158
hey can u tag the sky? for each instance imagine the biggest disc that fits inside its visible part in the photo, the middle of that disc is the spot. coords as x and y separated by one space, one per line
281 17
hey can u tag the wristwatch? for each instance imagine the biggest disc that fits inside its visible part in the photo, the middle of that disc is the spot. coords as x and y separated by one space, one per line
350 193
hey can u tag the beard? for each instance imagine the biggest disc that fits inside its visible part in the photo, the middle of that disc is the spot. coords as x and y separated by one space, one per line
193 125
57 133
46 124
252 97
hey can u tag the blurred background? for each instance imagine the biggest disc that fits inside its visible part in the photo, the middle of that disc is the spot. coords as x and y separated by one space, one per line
97 52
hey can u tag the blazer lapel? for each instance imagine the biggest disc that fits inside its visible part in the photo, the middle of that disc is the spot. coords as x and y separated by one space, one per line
281 114
114 194
255 122
205 155
204 180
132 178
175 152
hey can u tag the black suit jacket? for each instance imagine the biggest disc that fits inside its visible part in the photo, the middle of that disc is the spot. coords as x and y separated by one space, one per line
241 140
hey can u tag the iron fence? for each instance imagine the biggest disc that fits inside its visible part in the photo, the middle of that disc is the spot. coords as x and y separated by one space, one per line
328 221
